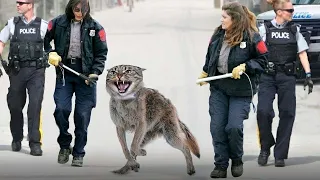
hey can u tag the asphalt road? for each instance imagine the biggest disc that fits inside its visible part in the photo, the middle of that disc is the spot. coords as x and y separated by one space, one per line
169 38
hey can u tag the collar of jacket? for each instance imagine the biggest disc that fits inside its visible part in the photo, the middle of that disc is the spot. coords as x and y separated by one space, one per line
73 21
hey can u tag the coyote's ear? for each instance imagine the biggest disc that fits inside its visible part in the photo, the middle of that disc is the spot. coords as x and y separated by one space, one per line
140 68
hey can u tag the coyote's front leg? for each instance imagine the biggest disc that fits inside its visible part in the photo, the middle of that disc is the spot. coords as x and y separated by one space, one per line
131 163
139 134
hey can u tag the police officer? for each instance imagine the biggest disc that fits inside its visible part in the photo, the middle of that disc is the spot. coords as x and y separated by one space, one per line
80 43
284 41
1 73
26 70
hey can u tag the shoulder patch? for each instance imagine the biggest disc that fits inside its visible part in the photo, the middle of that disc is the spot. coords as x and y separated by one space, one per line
102 35
49 25
261 47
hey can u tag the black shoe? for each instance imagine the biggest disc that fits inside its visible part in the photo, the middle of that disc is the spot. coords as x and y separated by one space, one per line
237 168
263 157
63 156
77 161
219 172
16 146
279 163
35 150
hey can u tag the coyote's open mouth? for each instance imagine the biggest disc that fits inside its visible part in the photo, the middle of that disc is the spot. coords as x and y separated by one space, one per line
122 86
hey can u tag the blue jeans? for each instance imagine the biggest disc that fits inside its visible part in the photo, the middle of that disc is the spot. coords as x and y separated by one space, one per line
85 101
226 127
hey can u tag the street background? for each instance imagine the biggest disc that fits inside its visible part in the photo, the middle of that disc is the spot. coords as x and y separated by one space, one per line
169 38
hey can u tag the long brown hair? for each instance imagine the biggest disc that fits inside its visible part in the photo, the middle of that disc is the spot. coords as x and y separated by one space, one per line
243 20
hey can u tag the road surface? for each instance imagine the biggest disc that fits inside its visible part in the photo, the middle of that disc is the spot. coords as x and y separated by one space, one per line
169 38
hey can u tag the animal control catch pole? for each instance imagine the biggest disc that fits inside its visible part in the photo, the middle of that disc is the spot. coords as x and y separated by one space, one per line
216 77
93 81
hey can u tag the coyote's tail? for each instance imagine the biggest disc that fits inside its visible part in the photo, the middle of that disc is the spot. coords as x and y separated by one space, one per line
190 140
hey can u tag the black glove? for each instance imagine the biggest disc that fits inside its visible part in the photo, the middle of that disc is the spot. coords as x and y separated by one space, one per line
5 67
308 82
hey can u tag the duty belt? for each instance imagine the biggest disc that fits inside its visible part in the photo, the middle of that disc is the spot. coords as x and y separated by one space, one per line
279 67
23 64
73 60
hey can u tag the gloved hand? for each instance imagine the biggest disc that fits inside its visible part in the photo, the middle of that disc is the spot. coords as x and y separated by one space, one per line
202 75
5 66
308 82
54 58
93 77
237 70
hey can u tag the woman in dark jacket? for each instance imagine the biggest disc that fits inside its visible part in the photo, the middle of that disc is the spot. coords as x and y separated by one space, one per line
79 43
235 46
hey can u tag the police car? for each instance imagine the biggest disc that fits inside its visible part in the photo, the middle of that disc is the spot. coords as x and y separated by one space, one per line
307 14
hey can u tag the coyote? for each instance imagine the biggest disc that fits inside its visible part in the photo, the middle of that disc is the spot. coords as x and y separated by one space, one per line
146 113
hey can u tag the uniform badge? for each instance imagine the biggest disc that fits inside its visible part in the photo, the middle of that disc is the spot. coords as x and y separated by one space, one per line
243 45
92 33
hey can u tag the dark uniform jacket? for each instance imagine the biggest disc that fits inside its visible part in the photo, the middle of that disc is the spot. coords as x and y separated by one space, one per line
93 45
254 55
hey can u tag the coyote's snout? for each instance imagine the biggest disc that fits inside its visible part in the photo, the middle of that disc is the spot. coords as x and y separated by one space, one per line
148 114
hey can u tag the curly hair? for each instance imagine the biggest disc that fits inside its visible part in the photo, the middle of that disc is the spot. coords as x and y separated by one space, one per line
243 20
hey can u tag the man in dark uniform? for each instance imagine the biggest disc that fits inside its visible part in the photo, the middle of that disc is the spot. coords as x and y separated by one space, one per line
284 41
26 70
80 43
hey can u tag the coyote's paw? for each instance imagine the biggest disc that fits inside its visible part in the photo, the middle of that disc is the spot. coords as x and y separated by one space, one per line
134 166
191 170
123 170
131 165
140 152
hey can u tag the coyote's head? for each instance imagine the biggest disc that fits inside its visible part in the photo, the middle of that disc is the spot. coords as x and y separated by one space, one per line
123 81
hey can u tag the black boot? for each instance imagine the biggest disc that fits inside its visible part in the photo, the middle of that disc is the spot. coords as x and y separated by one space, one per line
279 163
77 161
263 157
16 146
63 156
35 150
219 172
237 168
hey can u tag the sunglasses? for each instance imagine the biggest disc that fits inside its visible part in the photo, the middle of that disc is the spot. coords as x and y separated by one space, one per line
76 9
22 3
288 10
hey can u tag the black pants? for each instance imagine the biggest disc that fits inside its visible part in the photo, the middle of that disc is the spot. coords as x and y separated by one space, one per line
285 87
33 80
226 126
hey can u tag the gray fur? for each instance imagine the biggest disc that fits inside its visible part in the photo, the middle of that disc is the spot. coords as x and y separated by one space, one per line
148 114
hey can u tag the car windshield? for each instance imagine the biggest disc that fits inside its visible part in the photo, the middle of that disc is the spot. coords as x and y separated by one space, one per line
299 2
